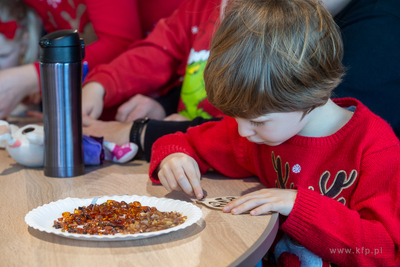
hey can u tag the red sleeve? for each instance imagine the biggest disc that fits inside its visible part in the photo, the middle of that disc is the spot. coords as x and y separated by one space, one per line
151 64
152 11
210 144
116 25
364 234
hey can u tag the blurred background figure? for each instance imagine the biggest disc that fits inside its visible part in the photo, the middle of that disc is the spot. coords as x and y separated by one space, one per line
20 31
19 34
107 28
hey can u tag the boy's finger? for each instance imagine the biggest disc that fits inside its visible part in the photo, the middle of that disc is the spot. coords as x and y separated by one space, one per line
266 208
170 179
182 180
248 205
235 204
253 203
163 181
194 180
232 204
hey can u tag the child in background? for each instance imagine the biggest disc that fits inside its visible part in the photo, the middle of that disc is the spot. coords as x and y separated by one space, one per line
19 38
19 34
107 28
332 168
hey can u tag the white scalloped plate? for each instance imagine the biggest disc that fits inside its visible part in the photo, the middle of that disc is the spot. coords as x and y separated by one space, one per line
42 218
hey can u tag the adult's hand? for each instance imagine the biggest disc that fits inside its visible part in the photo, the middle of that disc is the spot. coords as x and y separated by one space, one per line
15 84
92 99
112 131
140 106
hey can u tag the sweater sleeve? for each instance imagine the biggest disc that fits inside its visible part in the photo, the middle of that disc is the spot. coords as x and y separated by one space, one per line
363 233
210 144
150 64
116 25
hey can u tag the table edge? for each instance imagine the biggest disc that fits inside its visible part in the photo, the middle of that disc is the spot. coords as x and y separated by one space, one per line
256 252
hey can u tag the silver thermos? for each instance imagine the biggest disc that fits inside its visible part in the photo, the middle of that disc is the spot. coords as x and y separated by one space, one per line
61 55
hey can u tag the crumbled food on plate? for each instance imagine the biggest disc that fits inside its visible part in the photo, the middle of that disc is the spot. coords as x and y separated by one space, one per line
114 217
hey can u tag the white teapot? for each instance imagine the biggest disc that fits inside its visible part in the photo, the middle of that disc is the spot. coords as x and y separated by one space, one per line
25 145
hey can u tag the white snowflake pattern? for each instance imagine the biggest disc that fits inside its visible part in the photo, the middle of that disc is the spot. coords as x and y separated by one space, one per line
195 29
53 3
296 168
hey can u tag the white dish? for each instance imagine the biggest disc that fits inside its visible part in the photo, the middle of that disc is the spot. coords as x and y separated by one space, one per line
42 218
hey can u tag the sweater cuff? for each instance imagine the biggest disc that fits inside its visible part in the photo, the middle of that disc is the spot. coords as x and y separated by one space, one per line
156 160
303 215
163 146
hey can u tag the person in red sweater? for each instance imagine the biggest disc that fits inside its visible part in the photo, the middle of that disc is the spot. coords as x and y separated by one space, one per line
19 34
174 54
19 37
177 47
107 28
331 168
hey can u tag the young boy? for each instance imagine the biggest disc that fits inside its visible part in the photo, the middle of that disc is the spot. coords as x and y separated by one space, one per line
332 168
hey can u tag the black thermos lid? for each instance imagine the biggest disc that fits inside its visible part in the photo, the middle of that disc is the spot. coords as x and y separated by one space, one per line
62 46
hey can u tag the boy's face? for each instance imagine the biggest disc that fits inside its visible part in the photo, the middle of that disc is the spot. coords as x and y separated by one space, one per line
272 129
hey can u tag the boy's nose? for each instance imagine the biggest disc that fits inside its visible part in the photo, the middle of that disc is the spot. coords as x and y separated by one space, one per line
244 130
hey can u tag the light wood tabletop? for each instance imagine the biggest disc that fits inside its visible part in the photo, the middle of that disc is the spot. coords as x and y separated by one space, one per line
217 239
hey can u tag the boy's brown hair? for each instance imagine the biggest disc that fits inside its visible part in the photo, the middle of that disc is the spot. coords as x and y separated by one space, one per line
273 56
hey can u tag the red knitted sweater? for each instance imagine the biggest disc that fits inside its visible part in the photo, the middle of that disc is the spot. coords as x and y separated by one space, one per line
155 64
348 183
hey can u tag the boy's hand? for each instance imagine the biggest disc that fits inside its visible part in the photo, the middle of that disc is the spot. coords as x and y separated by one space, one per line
92 99
178 172
264 201
112 131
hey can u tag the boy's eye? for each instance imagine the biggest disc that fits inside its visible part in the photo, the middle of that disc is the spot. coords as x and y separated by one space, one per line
257 123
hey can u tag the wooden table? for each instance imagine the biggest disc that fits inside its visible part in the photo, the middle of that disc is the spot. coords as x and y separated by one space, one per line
218 239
